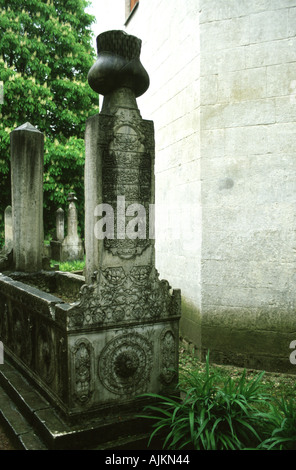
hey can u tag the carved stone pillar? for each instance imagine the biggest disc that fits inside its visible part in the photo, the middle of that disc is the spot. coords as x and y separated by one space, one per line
119 156
27 163
133 316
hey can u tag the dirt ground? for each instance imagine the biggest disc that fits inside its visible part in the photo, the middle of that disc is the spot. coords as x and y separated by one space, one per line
5 442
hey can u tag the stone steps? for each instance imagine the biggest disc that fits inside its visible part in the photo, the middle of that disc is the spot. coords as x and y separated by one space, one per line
19 430
33 424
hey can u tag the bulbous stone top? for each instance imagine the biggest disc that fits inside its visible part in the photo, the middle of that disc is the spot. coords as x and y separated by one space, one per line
118 64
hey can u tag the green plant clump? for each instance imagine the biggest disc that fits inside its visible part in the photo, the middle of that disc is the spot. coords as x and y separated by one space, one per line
69 266
282 419
212 412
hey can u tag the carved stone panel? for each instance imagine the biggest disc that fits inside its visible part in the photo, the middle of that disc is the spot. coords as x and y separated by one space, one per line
82 379
127 172
45 352
119 295
125 364
20 340
168 356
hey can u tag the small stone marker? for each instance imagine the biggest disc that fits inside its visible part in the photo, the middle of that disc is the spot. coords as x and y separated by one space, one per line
8 227
60 225
72 246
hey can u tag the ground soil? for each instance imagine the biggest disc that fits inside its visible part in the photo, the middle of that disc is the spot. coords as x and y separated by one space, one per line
5 441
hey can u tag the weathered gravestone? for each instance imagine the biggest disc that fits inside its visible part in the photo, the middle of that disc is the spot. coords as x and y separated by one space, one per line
56 245
93 358
72 246
60 225
134 314
8 229
27 164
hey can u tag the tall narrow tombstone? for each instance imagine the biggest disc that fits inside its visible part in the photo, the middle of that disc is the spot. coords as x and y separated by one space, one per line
8 229
72 246
60 225
27 163
57 245
124 329
119 154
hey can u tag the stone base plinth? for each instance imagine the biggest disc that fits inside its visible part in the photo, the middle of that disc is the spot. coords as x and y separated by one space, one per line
34 424
84 357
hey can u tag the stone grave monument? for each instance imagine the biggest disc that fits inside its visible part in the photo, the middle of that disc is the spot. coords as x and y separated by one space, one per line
27 162
93 358
8 228
132 314
23 249
72 246
56 245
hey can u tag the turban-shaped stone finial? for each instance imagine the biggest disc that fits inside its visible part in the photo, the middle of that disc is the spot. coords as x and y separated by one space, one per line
118 64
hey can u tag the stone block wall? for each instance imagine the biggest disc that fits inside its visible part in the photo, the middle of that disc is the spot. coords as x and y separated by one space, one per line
248 170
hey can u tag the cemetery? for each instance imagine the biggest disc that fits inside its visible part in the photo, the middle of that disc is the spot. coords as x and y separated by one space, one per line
102 358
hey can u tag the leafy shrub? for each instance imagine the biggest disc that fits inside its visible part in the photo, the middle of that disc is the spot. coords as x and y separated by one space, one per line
211 413
282 418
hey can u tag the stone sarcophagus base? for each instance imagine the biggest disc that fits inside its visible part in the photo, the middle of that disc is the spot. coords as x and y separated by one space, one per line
97 356
85 361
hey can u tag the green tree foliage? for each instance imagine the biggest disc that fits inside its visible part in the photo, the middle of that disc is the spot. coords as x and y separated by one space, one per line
45 55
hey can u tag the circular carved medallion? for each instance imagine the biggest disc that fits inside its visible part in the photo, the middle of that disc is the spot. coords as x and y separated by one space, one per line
125 364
